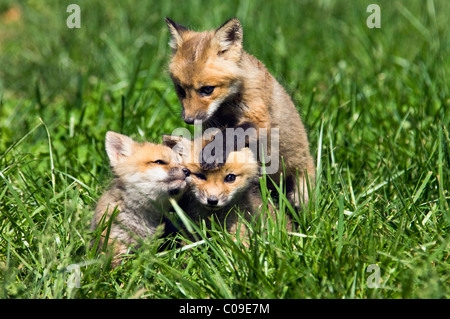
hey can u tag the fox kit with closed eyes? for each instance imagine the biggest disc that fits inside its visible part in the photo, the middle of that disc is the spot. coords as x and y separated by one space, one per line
147 175
220 84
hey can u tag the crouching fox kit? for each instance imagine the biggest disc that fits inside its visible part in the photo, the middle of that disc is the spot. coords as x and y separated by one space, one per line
146 176
220 84
217 192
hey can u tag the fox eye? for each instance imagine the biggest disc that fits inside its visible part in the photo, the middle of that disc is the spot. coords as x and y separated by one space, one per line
200 176
207 90
181 92
160 162
230 178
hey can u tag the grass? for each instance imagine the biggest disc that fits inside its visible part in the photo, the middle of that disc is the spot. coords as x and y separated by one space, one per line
375 102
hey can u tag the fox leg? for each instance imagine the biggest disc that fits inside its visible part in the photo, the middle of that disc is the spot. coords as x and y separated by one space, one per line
238 228
297 191
119 250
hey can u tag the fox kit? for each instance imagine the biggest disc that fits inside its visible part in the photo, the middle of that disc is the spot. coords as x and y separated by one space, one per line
220 84
146 176
216 191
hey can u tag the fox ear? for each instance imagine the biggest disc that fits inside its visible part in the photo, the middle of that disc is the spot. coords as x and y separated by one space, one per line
229 36
118 147
176 31
171 140
178 144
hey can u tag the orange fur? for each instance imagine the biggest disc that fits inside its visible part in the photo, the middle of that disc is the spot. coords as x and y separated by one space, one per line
146 176
241 193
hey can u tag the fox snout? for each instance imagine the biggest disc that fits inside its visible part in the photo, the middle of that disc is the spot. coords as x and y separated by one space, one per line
176 180
212 200
186 171
178 173
187 119
190 118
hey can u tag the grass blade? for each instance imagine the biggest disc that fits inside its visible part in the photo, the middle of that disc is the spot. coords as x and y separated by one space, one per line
422 186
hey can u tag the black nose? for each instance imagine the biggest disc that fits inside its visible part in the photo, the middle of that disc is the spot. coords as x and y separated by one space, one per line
186 172
189 120
213 200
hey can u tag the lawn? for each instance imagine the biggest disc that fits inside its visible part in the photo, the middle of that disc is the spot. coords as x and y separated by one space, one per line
375 102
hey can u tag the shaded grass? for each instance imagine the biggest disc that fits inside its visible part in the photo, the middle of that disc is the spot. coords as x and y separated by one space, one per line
375 103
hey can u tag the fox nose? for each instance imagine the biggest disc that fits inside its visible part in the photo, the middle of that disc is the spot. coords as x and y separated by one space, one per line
213 200
189 120
186 172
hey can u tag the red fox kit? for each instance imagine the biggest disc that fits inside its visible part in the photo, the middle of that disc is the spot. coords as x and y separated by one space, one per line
220 84
217 191
147 175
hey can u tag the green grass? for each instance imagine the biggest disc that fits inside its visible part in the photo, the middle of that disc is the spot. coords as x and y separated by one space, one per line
375 102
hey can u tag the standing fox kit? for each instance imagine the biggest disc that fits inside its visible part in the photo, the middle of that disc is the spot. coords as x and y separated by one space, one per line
220 84
146 176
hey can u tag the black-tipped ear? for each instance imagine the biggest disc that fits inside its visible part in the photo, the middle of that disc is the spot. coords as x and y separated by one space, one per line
179 144
171 140
229 35
176 31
